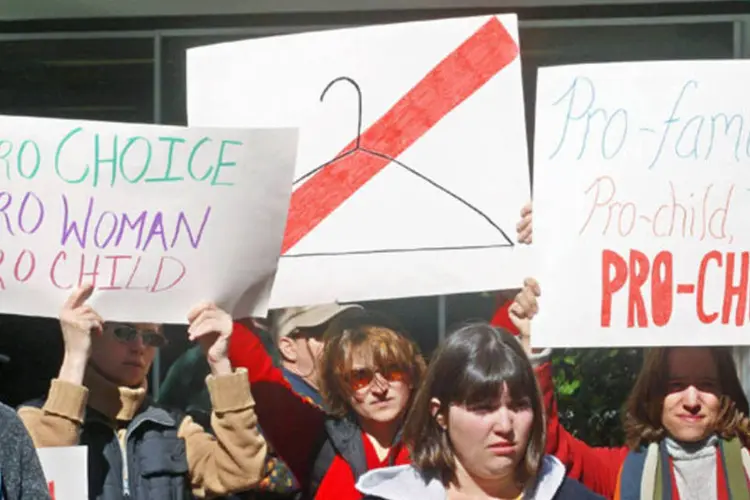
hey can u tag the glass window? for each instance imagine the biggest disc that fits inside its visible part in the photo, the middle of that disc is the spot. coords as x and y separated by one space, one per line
102 79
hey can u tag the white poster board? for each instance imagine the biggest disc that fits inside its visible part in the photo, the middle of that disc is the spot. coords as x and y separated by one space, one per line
66 471
158 218
412 167
641 203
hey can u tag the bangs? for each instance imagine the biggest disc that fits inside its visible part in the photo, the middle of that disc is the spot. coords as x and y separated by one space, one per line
486 376
379 348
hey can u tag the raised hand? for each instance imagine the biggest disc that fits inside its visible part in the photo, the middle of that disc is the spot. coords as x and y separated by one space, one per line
212 327
78 322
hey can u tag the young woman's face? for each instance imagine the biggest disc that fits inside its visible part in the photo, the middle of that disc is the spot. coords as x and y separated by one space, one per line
489 441
378 395
124 352
691 406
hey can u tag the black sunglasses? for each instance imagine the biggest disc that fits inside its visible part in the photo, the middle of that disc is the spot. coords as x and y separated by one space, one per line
128 333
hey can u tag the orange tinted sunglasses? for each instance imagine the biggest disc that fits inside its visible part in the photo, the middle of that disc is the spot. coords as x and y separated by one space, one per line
362 377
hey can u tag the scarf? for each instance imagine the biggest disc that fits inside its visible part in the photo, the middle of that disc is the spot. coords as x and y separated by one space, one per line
648 474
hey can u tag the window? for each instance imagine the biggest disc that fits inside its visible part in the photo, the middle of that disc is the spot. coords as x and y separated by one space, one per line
101 79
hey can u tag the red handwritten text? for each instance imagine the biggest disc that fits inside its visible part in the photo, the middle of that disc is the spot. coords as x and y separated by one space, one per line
105 271
637 270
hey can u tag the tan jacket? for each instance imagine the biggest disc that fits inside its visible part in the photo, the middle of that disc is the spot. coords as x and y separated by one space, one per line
230 462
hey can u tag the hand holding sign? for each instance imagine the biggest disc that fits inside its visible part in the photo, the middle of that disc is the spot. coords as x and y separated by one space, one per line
211 328
524 308
524 227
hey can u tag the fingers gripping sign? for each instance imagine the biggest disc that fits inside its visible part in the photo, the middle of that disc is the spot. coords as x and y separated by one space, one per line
524 227
524 308
212 327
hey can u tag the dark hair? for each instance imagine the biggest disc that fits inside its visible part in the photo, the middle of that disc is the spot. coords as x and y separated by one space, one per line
642 418
377 337
471 367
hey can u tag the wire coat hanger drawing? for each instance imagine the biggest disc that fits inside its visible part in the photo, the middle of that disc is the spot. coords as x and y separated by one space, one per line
361 149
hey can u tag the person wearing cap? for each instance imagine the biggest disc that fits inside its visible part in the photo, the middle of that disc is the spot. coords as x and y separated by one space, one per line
136 448
299 333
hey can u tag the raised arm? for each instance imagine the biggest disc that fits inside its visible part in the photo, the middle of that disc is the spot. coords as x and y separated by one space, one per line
57 422
291 424
231 459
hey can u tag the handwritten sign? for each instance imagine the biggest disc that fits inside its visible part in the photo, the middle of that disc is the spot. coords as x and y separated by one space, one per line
413 165
66 471
157 218
642 190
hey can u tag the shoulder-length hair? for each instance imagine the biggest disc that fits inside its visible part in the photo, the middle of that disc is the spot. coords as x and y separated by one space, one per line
472 367
379 339
643 409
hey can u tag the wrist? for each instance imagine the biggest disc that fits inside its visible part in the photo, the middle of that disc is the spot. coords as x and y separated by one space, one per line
73 368
220 366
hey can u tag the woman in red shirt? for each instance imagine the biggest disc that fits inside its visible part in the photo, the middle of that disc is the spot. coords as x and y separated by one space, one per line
369 370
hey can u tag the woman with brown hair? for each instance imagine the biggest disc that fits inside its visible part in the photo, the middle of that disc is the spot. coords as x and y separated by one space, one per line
685 424
368 372
476 429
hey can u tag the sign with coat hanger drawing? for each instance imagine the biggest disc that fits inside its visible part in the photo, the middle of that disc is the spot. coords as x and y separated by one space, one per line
412 166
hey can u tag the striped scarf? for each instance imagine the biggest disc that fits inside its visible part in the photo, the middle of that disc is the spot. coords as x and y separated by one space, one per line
648 474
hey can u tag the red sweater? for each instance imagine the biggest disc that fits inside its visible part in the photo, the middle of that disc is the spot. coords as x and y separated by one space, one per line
292 424
596 467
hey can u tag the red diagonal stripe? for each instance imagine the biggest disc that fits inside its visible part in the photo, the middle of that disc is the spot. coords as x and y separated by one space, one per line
447 85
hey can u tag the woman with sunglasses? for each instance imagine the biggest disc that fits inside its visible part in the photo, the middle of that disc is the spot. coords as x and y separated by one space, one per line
137 449
369 369
476 429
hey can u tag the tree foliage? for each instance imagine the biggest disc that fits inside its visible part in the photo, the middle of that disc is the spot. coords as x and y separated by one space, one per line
591 387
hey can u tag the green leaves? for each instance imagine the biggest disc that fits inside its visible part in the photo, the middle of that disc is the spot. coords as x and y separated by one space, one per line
591 386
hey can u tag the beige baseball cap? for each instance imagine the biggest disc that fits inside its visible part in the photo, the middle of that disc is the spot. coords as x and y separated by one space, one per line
286 321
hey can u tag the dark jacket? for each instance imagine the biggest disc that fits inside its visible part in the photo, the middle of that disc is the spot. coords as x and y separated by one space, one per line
21 475
138 449
156 457
406 482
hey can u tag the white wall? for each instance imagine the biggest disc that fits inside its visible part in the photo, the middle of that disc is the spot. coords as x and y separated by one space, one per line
52 9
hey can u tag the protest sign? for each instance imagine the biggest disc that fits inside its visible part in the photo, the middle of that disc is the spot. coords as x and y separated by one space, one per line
641 196
66 471
413 165
157 218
